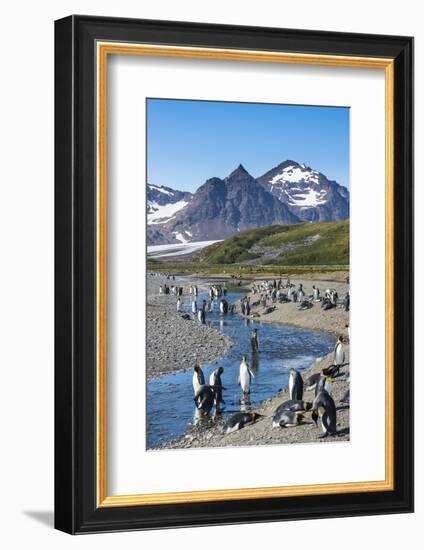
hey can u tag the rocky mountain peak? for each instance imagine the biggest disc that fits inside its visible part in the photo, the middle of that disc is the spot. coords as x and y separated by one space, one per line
307 192
239 174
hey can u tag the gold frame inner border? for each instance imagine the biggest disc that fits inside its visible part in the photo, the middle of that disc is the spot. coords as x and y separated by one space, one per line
104 49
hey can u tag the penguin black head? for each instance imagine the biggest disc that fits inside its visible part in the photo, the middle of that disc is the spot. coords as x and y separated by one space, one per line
220 370
341 338
197 368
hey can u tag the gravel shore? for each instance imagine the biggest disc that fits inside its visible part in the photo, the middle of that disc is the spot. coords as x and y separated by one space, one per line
262 432
174 343
333 320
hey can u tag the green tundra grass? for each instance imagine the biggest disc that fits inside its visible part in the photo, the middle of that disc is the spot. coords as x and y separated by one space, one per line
296 248
306 244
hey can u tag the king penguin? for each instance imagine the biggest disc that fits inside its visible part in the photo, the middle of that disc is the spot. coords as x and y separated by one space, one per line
216 382
204 398
201 316
284 418
295 385
254 341
198 378
324 408
239 420
339 352
245 376
324 383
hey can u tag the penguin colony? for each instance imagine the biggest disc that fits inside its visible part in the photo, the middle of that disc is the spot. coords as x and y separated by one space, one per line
320 408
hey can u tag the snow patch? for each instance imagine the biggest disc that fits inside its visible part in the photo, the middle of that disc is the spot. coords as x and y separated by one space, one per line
180 237
162 213
161 190
167 250
296 174
310 198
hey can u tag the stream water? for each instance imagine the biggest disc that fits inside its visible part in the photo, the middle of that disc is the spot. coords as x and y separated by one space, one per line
170 406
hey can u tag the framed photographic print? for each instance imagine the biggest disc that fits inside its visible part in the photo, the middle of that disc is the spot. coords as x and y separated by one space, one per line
234 285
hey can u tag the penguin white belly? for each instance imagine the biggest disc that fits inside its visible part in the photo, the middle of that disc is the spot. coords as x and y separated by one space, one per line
244 379
196 386
233 428
323 426
212 379
339 359
291 384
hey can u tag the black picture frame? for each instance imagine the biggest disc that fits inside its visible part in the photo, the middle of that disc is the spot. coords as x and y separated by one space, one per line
75 275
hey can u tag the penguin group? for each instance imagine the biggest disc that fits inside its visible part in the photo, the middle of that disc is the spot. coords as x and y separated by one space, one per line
280 292
322 407
309 398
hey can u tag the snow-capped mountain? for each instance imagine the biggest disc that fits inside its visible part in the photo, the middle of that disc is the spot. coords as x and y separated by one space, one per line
220 208
289 193
307 192
163 203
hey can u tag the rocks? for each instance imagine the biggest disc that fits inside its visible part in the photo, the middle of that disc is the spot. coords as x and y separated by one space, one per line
175 342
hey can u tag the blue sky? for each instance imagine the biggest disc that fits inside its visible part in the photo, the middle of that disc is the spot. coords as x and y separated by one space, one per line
189 142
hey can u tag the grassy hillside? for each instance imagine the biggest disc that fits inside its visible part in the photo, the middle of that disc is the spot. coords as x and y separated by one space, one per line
306 244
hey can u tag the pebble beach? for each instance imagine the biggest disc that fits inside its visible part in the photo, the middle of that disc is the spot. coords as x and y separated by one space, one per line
174 343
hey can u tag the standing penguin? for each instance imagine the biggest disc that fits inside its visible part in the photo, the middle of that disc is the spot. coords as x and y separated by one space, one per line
245 376
324 383
201 316
339 352
179 305
215 380
346 302
223 306
198 378
194 306
295 385
254 342
347 327
204 399
300 293
324 408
